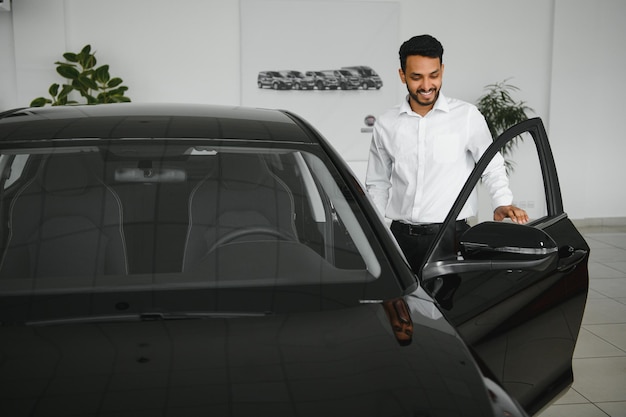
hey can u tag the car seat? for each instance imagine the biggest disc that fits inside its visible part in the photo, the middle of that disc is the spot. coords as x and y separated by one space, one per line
243 202
65 222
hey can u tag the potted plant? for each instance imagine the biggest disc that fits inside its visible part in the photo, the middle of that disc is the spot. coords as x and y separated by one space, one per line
501 112
94 84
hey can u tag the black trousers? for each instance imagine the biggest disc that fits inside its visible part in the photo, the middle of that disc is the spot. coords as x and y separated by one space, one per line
415 240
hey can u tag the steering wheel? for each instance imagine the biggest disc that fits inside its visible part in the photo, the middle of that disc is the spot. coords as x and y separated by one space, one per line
260 230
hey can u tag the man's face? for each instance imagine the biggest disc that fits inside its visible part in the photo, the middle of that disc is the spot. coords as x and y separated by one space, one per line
423 77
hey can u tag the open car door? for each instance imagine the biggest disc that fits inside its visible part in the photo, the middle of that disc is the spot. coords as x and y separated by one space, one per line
516 293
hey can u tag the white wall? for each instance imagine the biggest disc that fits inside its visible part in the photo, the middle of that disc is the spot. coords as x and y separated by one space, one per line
183 51
8 92
286 40
562 54
588 107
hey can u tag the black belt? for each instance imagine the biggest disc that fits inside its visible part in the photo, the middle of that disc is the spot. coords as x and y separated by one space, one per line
420 229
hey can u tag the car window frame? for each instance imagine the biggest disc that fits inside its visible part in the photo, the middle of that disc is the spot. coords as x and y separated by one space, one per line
554 203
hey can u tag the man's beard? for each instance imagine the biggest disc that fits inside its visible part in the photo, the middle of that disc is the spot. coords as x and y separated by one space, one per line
417 98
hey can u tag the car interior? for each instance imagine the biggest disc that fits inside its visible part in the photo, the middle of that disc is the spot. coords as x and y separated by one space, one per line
64 220
178 210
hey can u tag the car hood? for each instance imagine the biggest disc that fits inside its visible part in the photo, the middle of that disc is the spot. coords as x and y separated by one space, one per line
342 362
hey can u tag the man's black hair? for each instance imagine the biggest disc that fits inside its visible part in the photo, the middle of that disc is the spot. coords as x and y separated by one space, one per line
423 45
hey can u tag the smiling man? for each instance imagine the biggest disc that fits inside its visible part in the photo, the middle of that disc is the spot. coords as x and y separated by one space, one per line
424 149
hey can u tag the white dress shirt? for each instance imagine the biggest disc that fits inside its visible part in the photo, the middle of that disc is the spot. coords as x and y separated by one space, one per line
418 165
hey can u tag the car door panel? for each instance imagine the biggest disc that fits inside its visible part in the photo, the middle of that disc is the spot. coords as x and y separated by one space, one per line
516 293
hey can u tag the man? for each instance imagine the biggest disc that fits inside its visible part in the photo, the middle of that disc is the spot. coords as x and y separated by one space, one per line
423 151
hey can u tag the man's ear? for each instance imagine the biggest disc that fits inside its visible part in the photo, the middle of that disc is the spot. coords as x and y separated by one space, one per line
402 76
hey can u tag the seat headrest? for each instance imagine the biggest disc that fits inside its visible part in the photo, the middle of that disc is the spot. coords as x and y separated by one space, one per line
243 171
65 174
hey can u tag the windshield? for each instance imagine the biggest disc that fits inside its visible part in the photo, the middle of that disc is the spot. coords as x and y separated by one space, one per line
164 216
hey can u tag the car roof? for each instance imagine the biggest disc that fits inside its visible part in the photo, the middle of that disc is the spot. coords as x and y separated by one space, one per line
155 120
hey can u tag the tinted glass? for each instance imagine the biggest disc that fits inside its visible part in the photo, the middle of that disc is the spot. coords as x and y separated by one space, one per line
158 220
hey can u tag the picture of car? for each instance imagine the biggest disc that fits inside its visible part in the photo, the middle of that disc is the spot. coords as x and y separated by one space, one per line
323 80
369 77
274 80
200 260
299 80
348 79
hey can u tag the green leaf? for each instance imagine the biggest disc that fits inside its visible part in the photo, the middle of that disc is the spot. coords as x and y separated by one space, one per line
114 82
79 87
66 90
40 102
89 61
60 101
501 111
85 79
70 56
91 100
88 73
86 50
102 74
54 89
120 99
68 71
118 91
103 98
85 58
87 82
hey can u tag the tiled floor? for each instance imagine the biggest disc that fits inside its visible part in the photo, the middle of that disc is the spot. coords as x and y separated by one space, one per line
599 388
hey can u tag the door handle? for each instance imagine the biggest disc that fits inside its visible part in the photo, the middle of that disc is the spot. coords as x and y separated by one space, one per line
574 258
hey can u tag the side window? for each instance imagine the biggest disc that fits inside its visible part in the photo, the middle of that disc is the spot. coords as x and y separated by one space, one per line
15 169
345 241
492 261
525 181
325 216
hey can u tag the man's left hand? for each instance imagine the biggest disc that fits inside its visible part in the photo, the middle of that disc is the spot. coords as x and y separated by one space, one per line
516 214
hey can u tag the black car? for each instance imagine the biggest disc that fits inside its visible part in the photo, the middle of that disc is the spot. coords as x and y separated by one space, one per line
197 260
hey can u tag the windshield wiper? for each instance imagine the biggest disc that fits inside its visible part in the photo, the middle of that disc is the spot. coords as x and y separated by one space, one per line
199 315
146 316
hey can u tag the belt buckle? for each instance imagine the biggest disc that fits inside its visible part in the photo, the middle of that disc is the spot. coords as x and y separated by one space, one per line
416 229
422 229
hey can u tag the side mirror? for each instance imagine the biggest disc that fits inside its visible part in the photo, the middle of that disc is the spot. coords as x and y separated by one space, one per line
488 247
506 241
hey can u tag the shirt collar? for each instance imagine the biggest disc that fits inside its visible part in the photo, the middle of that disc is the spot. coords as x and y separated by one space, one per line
441 104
